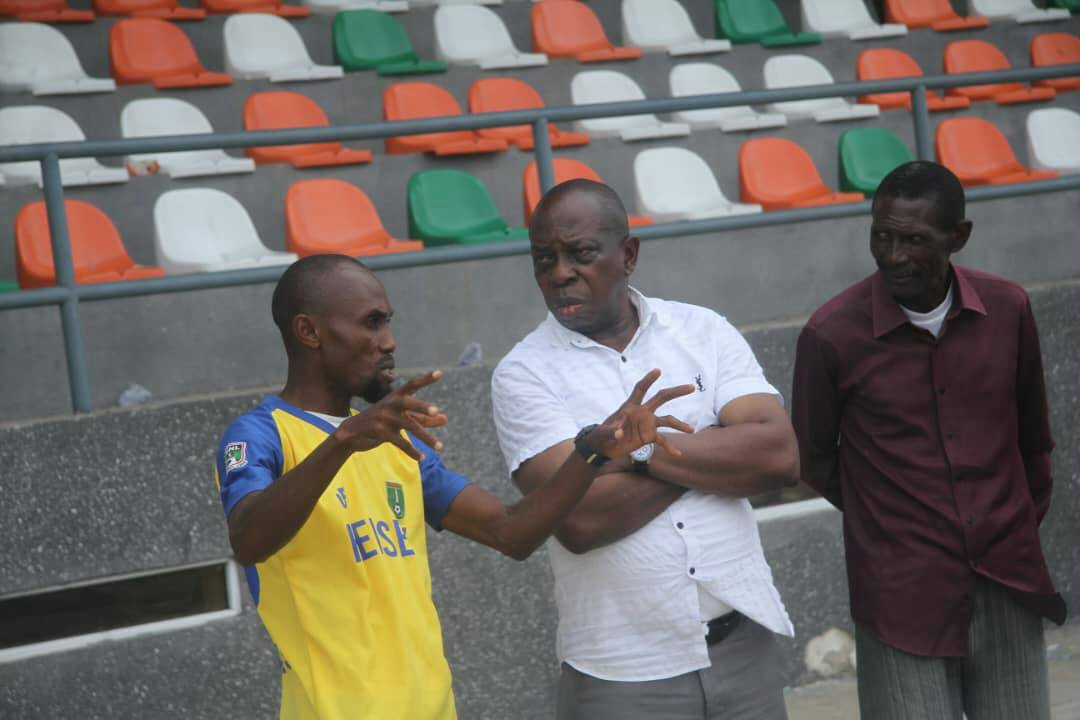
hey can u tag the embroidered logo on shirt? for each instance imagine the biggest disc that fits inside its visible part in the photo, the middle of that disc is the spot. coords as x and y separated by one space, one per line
700 386
341 497
235 456
395 498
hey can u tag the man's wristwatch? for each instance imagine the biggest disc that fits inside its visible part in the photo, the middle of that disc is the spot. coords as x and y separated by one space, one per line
582 447
641 458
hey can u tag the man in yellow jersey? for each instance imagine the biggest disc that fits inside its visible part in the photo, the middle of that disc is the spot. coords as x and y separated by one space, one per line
325 504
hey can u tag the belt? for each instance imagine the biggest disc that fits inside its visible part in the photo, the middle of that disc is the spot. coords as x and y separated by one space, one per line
721 627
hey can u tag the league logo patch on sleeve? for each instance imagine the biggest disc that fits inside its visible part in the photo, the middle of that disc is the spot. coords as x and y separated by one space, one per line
235 456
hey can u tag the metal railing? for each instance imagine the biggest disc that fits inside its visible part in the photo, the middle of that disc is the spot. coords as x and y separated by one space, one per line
67 294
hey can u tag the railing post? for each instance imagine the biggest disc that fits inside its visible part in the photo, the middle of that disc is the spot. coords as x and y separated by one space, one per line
924 146
65 278
542 148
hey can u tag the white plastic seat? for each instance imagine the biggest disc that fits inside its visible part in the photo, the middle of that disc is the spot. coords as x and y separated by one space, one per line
833 18
154 117
419 3
38 58
332 7
672 183
708 79
665 25
203 230
783 71
258 45
1053 139
474 35
1023 11
602 86
25 124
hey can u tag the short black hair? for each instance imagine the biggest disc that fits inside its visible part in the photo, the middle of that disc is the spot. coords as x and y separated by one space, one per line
607 200
925 179
299 290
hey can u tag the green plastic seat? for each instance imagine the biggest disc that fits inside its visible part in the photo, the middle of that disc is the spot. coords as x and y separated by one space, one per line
451 207
867 155
1073 5
8 286
372 40
746 21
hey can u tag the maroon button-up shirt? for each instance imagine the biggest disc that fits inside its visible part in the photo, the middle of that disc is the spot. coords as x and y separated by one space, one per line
937 450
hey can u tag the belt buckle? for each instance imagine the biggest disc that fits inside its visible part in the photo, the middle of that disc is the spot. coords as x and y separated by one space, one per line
721 627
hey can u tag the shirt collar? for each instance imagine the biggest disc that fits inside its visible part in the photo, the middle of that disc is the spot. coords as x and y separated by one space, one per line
648 313
888 315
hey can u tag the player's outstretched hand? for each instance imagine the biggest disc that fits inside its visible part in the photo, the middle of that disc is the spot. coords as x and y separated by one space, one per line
635 423
399 410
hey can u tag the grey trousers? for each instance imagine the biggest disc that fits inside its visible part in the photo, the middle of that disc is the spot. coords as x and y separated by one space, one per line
1002 677
744 683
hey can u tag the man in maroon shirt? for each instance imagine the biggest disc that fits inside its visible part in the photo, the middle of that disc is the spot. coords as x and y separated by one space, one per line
921 414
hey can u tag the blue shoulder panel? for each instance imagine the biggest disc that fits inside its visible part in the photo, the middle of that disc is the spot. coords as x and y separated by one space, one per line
441 485
249 457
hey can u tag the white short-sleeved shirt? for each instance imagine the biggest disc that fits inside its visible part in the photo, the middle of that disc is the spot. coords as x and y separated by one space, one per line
632 610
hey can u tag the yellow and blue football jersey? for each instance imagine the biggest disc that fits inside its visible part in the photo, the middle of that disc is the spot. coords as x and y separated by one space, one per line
347 601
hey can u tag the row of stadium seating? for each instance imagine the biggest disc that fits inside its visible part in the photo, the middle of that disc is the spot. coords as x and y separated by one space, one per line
204 229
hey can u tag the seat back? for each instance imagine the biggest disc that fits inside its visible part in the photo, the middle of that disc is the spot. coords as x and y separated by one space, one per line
656 23
884 64
867 155
1058 48
470 32
96 246
450 203
25 124
203 226
974 148
141 49
562 29
998 8
154 117
672 180
259 42
775 171
412 100
834 16
366 38
917 13
964 56
601 86
501 95
748 20
280 109
563 168
31 51
331 216
703 79
1054 139
783 71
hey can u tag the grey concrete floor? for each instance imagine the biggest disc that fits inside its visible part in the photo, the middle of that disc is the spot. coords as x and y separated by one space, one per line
836 699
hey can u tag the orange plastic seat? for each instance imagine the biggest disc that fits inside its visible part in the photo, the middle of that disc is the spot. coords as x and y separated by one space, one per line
415 100
1057 48
977 152
564 29
885 64
162 9
966 56
43 11
564 169
333 216
935 14
778 174
149 50
283 109
97 252
503 94
273 7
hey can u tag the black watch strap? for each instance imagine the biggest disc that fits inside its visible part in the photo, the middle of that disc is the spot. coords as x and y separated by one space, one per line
582 447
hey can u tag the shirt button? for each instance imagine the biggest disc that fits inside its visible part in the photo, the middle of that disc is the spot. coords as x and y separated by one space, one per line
949 436
970 521
941 390
623 358
692 571
679 525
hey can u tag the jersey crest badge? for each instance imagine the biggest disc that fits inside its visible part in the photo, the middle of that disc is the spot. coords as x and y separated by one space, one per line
235 456
395 498
341 497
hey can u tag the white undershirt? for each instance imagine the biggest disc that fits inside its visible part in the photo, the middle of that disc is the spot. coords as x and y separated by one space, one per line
934 320
332 419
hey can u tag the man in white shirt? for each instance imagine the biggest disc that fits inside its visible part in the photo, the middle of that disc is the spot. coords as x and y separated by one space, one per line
667 607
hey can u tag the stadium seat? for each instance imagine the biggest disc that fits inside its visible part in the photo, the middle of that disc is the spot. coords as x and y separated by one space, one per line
1056 49
149 50
280 110
23 124
967 56
1053 137
1071 5
886 63
162 9
707 79
421 3
206 230
333 216
43 11
38 58
935 14
474 35
153 117
332 7
258 45
269 7
760 21
451 207
8 286
850 18
1023 11
976 151
672 183
778 174
504 94
370 40
867 155
97 252
564 169
564 29
603 86
415 100
665 25
788 71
